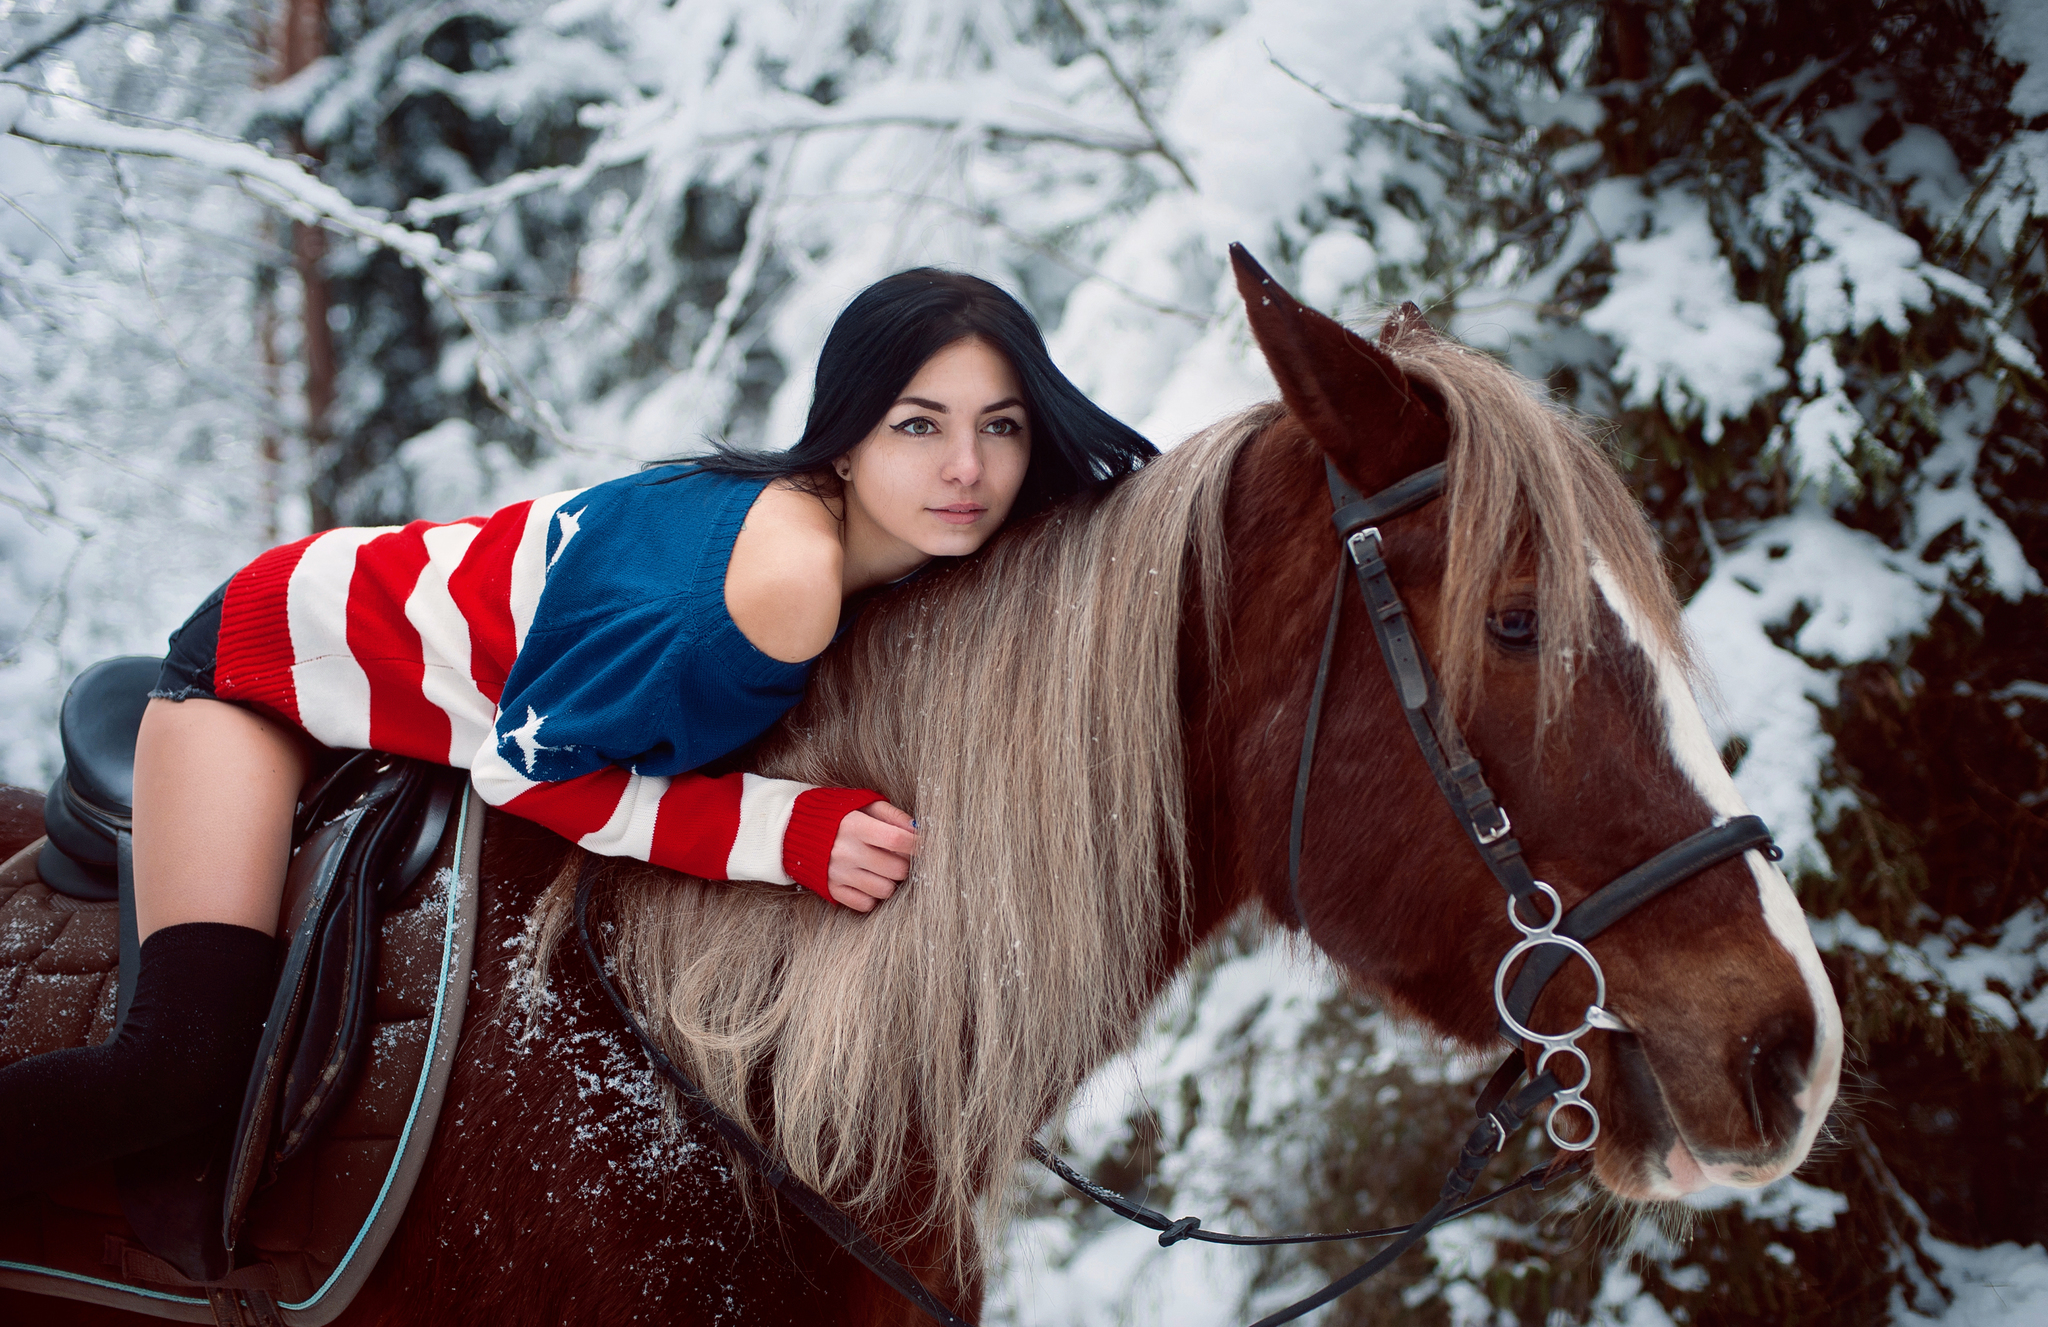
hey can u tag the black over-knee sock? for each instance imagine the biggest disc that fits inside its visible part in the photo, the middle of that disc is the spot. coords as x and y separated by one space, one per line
180 1062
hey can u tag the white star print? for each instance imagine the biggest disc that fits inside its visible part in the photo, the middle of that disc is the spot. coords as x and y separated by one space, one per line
527 736
567 521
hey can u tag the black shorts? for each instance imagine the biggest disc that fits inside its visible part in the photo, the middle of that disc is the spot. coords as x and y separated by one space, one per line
194 650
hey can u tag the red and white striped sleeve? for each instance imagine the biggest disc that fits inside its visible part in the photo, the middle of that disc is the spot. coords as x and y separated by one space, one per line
400 639
724 827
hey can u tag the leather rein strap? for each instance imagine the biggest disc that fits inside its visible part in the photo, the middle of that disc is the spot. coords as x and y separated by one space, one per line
697 1104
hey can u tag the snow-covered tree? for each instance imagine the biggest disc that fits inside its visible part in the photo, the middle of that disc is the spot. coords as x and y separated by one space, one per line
1792 248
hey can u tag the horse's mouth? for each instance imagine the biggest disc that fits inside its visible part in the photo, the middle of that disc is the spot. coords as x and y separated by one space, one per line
1649 1159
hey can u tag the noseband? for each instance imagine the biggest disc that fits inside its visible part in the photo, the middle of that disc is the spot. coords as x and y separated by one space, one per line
1547 944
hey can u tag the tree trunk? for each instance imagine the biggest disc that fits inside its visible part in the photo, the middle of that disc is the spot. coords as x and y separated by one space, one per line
298 38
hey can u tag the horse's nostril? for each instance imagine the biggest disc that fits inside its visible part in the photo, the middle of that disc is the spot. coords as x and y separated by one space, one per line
1776 1073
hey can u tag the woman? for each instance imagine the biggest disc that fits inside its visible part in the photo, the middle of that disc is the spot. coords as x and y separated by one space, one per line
582 655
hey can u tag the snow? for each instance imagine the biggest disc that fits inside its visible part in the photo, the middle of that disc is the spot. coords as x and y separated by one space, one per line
1788 1202
1859 596
2005 1285
1823 434
2021 31
149 451
1860 271
1685 340
2001 976
36 219
1336 264
284 183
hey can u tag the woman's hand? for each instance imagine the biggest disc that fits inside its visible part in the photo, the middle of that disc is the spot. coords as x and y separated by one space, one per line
871 856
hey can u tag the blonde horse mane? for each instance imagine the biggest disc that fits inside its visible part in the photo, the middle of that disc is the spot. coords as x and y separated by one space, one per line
1530 487
1023 705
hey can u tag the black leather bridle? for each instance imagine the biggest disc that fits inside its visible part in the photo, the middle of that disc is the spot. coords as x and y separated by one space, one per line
1547 944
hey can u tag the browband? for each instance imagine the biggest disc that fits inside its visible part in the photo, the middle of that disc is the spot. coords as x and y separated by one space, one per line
1396 499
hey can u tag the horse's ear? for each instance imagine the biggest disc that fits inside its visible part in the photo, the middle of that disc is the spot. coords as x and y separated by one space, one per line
1354 400
1407 324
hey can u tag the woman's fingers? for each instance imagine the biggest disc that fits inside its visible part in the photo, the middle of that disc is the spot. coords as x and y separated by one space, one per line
860 890
895 815
888 865
887 827
870 855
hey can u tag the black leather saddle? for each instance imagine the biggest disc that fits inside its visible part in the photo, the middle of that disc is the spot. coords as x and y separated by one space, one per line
86 813
364 831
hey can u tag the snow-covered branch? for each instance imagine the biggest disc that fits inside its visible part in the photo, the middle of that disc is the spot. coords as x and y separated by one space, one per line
1099 44
1117 143
281 183
509 189
1387 112
59 30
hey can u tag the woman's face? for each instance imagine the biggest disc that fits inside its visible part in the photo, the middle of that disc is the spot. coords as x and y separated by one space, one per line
938 475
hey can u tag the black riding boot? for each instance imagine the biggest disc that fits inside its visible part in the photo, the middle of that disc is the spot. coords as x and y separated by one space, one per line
179 1063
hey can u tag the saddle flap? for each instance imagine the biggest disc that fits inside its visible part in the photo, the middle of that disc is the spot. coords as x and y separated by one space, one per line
315 867
317 1035
319 1224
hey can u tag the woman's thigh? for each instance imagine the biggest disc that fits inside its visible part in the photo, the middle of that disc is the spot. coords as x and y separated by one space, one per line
215 788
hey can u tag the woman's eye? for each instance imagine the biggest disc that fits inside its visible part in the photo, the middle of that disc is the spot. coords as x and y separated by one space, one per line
1513 627
917 428
1002 426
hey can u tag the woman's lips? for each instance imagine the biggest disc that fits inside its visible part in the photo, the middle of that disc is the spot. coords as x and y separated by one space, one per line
960 513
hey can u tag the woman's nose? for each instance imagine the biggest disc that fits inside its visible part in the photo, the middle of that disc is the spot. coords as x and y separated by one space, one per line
963 460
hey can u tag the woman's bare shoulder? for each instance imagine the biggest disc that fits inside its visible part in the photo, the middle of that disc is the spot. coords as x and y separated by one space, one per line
782 586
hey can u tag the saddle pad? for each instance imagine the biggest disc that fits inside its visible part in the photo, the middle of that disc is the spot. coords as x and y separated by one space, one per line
313 1235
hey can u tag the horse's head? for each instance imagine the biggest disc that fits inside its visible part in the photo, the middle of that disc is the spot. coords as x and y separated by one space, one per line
1537 592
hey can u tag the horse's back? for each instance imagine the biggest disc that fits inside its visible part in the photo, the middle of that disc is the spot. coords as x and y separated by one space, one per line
556 1190
21 819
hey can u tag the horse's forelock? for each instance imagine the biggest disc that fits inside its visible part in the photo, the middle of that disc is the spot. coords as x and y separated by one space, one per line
1530 485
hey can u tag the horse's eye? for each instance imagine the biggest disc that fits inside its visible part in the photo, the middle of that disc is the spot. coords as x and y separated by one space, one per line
1514 628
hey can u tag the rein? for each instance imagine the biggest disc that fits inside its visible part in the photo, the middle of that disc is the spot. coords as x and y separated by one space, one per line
1548 944
697 1104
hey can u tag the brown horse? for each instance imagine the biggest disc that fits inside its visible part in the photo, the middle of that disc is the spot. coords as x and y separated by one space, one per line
1097 721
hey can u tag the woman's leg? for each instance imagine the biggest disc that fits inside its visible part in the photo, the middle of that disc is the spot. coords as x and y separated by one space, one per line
215 788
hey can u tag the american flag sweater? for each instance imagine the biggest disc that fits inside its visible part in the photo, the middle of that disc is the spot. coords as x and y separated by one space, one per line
574 653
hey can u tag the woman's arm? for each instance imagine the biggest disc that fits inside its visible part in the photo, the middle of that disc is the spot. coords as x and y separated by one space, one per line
727 827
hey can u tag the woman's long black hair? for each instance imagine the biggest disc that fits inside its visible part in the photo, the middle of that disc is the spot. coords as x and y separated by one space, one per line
885 336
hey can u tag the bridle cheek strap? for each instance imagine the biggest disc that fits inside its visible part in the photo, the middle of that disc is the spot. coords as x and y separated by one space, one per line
1451 763
1554 936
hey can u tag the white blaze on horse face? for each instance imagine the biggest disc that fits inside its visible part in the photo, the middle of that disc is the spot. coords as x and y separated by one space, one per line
1693 750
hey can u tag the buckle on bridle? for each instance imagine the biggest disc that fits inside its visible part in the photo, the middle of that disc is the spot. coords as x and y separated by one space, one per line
1493 834
1354 545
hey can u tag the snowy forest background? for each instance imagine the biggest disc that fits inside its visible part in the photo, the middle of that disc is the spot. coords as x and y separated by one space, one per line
272 265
